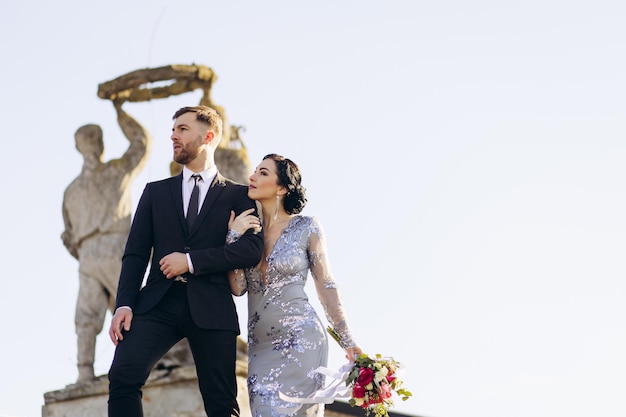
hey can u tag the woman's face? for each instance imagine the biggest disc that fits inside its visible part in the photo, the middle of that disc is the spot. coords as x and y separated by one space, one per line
264 181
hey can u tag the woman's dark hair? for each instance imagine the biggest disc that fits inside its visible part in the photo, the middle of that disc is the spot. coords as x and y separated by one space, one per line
290 178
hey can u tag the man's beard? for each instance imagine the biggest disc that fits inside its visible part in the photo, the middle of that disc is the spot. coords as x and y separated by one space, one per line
184 156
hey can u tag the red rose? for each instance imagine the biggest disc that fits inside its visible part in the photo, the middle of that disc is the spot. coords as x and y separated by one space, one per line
366 375
358 391
375 399
390 378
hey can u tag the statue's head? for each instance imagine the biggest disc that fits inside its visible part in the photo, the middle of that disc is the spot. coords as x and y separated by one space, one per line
89 141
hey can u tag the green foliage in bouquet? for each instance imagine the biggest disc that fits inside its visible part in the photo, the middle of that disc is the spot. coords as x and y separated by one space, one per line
372 381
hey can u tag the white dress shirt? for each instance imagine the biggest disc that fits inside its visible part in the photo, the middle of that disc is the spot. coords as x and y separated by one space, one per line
188 183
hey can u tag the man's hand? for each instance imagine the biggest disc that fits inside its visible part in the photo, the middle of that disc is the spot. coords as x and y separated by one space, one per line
122 317
174 264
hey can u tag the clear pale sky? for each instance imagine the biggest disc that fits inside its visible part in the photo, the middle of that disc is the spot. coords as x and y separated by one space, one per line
465 158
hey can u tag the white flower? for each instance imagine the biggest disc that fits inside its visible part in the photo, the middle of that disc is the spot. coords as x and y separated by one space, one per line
380 375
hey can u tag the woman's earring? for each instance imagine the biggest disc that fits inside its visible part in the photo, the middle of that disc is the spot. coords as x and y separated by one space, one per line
276 210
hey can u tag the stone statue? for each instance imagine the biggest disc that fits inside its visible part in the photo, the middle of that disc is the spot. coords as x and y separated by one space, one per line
97 204
97 217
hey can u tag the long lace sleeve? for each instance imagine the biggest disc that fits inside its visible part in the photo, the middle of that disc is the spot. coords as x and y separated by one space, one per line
237 277
326 286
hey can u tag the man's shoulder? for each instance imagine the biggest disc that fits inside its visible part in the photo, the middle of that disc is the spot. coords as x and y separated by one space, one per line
220 179
166 181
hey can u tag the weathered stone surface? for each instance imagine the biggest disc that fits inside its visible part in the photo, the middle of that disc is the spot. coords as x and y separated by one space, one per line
181 78
172 393
97 216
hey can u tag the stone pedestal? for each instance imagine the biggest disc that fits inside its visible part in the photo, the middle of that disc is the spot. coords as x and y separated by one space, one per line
167 393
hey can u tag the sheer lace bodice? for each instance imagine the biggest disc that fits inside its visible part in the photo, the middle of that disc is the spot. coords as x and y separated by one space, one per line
301 247
286 338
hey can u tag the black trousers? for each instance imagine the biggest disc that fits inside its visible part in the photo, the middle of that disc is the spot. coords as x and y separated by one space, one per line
151 335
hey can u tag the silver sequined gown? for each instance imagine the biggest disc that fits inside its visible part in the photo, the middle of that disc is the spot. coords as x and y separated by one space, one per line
286 338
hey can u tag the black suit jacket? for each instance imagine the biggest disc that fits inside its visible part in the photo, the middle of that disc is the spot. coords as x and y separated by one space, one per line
159 228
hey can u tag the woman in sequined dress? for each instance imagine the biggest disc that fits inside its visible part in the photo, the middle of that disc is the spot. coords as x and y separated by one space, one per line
286 338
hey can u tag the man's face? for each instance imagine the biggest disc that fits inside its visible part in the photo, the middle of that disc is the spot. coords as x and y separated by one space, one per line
188 137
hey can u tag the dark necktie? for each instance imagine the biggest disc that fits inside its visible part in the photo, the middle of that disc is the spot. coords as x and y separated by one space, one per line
192 210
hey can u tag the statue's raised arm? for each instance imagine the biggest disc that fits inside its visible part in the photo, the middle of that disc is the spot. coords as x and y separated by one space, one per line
136 156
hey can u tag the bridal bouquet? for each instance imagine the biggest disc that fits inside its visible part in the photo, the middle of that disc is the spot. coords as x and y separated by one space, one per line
372 381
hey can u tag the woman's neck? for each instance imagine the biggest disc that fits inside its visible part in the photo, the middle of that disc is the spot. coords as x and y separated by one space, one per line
268 214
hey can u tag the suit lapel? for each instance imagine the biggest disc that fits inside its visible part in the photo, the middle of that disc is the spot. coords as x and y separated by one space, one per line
176 188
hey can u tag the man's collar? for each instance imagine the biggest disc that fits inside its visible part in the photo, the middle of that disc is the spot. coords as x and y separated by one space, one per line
208 174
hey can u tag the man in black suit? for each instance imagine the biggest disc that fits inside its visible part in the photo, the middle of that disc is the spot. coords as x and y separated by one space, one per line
187 293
